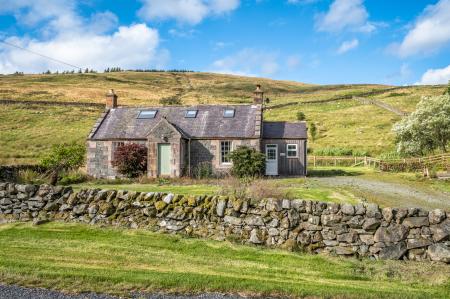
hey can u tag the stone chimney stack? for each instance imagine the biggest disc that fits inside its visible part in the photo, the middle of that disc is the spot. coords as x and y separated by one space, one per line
258 95
111 100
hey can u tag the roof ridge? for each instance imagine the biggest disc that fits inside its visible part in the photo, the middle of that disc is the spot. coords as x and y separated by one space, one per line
183 106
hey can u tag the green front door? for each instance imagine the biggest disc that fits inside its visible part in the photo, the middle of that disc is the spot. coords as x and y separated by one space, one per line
164 159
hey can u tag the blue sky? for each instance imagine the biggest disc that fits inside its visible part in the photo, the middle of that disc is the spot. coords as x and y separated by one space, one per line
315 41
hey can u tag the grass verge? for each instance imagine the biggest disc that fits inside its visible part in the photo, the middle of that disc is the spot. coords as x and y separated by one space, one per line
79 258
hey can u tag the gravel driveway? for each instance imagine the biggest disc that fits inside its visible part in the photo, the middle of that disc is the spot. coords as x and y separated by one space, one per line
390 194
17 292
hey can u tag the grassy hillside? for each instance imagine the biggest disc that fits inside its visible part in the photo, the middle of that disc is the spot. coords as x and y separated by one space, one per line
37 111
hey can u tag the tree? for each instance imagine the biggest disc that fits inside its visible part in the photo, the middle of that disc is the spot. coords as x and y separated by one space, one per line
426 129
313 131
130 159
63 157
301 116
448 88
247 162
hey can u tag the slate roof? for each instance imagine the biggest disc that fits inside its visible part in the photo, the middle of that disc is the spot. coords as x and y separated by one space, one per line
122 122
280 130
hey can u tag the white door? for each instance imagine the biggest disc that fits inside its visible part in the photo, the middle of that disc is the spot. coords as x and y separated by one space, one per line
271 159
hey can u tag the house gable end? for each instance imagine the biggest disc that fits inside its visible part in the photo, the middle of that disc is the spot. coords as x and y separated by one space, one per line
164 131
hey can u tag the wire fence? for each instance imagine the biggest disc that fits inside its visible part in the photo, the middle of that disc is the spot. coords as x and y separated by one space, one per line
437 162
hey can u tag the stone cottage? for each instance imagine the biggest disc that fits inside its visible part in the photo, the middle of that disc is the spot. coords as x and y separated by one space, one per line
181 139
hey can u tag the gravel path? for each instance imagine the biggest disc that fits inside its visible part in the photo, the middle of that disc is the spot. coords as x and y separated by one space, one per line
18 292
391 194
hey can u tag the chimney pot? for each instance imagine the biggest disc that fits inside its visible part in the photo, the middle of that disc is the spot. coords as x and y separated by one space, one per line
111 100
258 95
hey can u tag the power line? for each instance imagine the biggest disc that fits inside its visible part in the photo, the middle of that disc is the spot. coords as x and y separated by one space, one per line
39 54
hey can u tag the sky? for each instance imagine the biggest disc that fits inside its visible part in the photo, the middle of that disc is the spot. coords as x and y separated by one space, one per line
394 42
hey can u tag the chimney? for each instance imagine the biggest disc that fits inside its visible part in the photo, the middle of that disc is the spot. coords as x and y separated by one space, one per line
258 95
111 100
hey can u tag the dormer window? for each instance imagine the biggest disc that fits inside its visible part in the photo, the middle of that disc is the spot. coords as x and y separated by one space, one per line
228 113
147 114
191 113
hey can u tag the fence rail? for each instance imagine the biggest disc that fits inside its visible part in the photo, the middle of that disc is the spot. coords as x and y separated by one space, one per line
440 162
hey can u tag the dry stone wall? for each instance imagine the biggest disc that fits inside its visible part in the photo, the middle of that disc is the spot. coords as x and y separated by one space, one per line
341 229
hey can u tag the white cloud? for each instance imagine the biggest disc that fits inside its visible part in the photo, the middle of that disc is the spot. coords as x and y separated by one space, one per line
93 42
345 15
31 12
435 76
249 62
348 45
430 32
185 11
129 47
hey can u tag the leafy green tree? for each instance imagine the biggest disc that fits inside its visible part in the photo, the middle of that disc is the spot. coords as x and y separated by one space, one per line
63 157
247 162
426 129
301 116
313 131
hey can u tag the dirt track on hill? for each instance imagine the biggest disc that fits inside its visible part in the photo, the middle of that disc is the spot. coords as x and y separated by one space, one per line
389 194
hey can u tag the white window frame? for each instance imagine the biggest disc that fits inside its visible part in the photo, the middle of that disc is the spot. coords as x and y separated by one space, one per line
191 113
229 112
147 114
288 150
221 156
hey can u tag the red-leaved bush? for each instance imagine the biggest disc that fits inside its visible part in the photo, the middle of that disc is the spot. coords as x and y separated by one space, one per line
130 159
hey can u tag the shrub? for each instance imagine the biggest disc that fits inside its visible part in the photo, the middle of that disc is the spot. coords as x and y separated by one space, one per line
247 162
130 159
203 171
73 177
301 116
390 155
63 157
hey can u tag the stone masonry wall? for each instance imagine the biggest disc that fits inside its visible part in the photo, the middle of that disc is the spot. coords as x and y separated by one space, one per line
341 229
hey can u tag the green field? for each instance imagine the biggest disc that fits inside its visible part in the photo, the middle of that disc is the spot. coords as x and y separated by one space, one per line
79 258
27 131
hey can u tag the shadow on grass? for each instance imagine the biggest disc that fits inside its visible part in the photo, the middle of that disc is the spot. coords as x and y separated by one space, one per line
332 172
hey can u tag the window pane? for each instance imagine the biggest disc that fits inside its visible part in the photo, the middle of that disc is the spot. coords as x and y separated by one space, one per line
228 113
225 148
292 150
191 114
147 114
271 154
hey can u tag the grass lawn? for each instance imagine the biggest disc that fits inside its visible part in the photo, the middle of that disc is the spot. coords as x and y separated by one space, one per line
195 189
79 258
